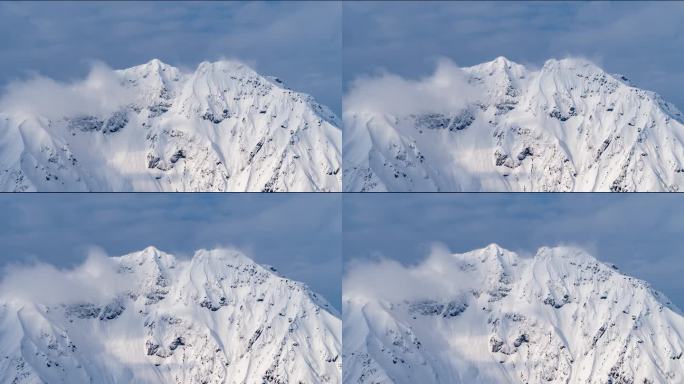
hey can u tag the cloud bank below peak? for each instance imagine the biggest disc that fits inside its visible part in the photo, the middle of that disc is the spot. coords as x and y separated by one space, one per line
100 92
445 89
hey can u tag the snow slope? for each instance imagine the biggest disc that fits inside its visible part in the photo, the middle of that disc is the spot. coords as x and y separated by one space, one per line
558 317
217 318
568 126
221 128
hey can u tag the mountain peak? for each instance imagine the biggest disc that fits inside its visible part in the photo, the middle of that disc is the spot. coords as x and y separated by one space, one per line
150 258
494 247
153 127
154 66
492 251
201 322
551 318
568 126
152 252
156 63
502 61
502 65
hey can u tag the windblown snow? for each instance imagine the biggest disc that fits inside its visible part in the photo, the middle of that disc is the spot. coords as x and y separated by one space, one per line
499 126
148 317
490 316
154 127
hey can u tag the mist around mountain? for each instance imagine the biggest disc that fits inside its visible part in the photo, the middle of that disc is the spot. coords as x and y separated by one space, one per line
155 127
493 316
500 126
151 317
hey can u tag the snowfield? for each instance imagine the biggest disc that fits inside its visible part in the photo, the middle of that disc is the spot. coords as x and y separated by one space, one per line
499 126
154 127
490 316
148 317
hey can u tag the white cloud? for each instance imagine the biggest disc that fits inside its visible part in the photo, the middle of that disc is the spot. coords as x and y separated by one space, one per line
438 274
96 280
100 93
447 89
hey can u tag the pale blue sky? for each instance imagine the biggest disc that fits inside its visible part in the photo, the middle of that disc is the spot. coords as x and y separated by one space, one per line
300 42
642 40
640 233
299 234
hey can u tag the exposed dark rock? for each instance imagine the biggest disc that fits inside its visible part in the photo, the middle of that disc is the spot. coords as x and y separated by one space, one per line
210 116
496 344
158 109
558 115
83 310
151 347
455 308
462 121
426 308
598 335
557 303
112 311
440 121
179 154
256 150
177 342
117 122
525 153
254 338
500 158
524 338
86 123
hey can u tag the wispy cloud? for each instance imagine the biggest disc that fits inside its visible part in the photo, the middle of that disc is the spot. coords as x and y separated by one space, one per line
446 89
384 278
99 93
96 279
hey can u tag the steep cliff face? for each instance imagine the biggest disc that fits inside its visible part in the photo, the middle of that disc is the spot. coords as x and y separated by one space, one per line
217 318
559 317
568 126
221 128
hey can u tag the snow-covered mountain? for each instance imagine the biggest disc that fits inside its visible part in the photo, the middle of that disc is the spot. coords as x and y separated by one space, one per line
154 127
558 317
217 318
568 126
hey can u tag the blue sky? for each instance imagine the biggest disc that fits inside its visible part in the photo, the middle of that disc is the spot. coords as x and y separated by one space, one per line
299 234
640 233
300 42
643 40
